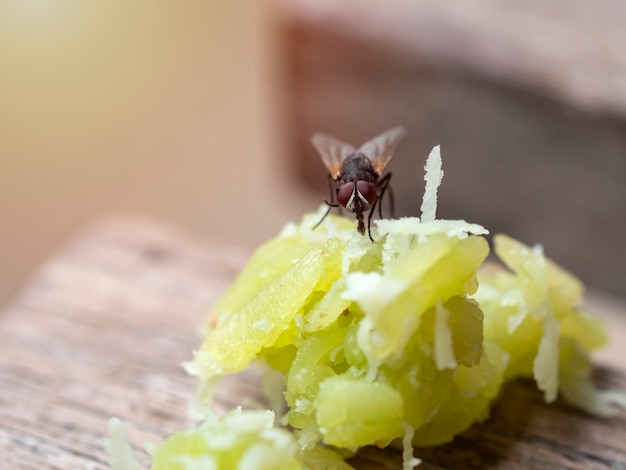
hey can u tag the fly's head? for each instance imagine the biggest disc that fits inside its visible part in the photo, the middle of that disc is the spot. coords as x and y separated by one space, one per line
357 197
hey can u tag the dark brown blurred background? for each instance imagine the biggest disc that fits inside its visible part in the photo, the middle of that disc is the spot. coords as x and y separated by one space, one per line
201 114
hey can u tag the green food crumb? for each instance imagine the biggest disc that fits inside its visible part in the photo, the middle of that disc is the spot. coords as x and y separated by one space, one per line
240 440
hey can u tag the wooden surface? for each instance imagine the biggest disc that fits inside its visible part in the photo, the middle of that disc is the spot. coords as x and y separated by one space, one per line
102 328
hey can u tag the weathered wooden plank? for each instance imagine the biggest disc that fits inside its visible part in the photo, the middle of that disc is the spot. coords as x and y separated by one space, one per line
103 327
100 332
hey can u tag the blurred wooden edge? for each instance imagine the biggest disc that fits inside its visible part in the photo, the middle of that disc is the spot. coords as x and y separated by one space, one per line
570 50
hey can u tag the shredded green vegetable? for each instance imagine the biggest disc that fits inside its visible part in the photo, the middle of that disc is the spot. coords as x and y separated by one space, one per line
405 341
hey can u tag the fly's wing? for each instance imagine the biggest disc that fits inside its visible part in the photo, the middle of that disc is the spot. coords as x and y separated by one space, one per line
381 148
333 152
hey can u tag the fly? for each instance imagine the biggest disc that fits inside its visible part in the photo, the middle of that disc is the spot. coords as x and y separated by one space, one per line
355 176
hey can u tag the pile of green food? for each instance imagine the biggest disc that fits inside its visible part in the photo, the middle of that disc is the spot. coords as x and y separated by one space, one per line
405 341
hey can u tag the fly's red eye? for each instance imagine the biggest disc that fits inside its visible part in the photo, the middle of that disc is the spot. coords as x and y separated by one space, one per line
345 193
368 191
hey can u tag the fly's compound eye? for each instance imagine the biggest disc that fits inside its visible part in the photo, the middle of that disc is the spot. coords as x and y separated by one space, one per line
345 193
368 191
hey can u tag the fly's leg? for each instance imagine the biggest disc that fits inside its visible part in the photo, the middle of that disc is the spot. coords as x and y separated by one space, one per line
330 206
333 201
383 184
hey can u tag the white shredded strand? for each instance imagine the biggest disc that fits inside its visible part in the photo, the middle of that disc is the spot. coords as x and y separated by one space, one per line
433 177
444 351
408 461
119 451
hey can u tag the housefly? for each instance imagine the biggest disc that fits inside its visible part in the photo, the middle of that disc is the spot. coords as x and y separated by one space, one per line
355 176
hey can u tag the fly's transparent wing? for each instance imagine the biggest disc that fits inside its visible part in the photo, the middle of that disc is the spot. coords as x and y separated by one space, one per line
333 152
381 148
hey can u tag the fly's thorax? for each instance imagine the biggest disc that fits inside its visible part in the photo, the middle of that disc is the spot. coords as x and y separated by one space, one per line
357 167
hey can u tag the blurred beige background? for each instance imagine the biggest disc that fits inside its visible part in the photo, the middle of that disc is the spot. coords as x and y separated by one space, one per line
170 109
200 113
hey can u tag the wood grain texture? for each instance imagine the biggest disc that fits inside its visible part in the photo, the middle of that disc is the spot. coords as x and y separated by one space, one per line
102 328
